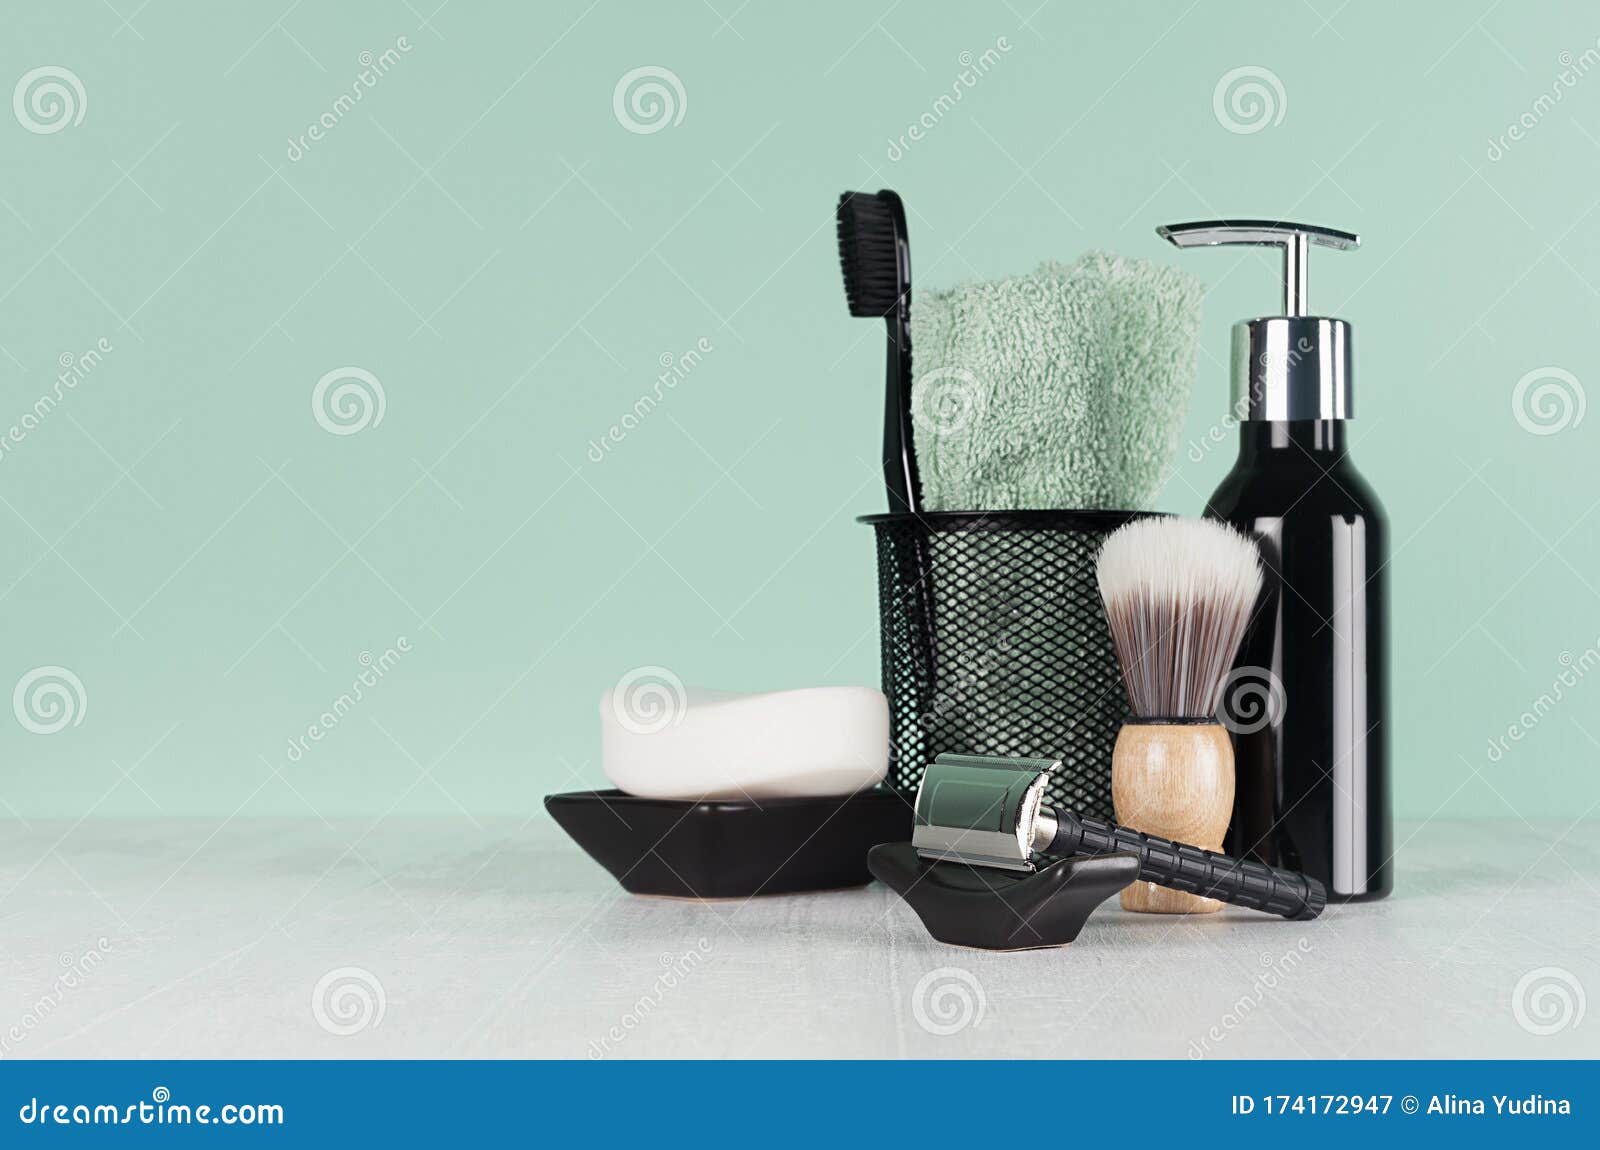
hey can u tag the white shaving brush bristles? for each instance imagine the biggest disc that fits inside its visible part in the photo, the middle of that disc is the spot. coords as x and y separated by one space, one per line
1178 594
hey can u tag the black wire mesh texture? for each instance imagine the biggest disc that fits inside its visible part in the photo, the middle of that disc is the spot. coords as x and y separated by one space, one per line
995 643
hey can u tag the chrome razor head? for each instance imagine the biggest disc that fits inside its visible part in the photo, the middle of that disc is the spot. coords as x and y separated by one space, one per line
980 810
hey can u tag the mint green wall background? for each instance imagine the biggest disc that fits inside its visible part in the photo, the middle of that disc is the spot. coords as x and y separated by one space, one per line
483 236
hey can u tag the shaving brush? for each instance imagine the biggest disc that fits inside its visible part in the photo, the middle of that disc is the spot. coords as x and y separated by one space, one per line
1178 594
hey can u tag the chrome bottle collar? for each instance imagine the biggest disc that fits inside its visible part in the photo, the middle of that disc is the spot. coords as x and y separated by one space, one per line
1292 367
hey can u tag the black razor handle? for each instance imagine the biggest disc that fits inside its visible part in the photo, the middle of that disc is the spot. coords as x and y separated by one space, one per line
1188 868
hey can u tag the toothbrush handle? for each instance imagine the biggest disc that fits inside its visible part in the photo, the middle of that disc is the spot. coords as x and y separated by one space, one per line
1188 868
899 460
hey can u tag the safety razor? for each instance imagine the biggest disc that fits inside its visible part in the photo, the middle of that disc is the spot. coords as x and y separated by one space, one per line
989 812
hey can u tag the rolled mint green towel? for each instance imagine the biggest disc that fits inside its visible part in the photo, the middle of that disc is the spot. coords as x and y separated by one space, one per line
1064 388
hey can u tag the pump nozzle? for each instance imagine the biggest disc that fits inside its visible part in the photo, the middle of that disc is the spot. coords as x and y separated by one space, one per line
1294 239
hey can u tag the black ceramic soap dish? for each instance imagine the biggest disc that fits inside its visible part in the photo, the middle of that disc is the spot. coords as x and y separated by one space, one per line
717 848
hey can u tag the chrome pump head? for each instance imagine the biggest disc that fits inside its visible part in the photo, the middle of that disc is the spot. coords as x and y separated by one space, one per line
1292 366
984 811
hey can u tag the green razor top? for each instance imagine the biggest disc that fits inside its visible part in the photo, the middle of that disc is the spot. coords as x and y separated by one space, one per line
980 810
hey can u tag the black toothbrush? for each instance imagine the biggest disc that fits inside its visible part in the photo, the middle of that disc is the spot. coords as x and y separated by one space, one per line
876 258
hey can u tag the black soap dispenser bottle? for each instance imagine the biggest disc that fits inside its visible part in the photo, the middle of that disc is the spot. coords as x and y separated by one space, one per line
1308 697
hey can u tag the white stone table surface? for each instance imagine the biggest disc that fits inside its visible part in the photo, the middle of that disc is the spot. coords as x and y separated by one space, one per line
183 939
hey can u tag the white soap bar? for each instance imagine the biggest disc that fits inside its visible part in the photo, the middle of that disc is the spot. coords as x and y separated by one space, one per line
661 740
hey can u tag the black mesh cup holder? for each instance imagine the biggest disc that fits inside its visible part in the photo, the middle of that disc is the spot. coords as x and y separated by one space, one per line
994 643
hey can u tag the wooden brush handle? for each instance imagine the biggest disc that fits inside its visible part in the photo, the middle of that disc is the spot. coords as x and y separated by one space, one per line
1189 869
1175 780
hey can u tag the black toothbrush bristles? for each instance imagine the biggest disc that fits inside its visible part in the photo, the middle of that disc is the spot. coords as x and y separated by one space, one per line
870 235
875 257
